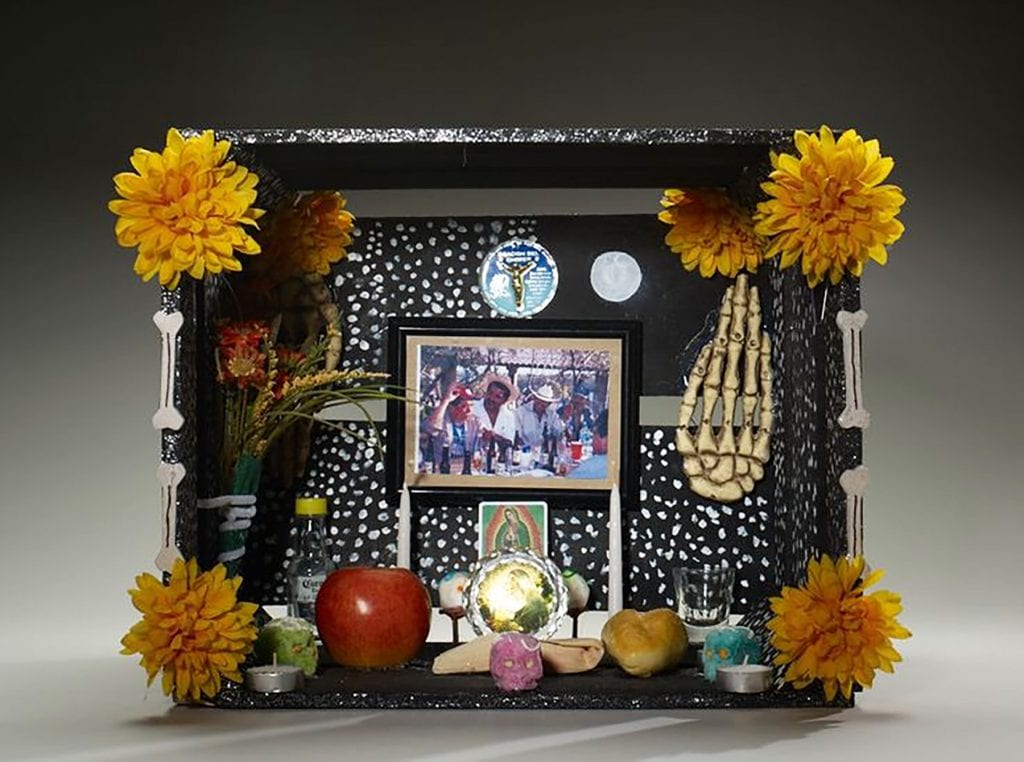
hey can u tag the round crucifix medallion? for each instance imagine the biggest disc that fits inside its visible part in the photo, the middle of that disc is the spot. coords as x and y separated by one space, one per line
518 278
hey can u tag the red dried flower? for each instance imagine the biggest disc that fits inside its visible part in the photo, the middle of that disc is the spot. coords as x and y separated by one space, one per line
251 333
288 361
240 361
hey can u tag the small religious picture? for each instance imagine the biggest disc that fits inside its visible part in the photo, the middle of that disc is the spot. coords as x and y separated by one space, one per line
514 526
518 278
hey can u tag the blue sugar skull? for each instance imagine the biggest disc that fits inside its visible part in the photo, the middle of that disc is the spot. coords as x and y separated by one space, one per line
728 645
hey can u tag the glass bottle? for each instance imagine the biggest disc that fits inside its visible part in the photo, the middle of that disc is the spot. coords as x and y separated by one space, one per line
550 447
490 455
311 563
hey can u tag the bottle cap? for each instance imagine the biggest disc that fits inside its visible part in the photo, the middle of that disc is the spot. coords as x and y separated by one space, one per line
310 506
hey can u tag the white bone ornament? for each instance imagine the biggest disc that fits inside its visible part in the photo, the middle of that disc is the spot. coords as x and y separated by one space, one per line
169 475
855 483
735 366
168 416
850 325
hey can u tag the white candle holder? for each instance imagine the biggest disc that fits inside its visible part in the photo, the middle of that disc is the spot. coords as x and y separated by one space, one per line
274 678
743 678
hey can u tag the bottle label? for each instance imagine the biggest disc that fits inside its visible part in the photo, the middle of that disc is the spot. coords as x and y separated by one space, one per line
306 588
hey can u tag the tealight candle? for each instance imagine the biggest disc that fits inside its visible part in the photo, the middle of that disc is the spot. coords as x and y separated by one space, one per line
274 678
743 678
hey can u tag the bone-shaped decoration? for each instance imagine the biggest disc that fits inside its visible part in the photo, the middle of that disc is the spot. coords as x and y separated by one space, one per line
167 416
855 483
169 475
850 325
735 366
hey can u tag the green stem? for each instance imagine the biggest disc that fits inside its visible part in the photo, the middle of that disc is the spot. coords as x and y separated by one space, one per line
311 401
244 481
332 425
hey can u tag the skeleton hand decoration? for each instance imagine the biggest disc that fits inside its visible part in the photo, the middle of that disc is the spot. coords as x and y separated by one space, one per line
719 466
307 309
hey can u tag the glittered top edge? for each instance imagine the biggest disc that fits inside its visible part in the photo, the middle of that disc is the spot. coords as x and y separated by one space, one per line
522 135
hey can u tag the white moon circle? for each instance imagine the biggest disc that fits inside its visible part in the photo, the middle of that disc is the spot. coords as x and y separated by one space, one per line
615 276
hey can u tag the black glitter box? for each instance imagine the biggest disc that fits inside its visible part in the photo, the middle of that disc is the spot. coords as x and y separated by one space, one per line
427 266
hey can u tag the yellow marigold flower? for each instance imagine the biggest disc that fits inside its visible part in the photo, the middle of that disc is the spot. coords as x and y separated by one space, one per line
710 231
831 630
309 233
828 207
193 628
185 209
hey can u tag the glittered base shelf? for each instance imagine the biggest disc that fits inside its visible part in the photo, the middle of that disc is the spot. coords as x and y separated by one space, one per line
416 687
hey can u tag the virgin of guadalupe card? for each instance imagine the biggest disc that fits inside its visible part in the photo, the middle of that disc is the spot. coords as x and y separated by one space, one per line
510 526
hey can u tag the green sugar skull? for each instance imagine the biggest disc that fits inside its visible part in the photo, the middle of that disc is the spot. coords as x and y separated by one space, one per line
291 640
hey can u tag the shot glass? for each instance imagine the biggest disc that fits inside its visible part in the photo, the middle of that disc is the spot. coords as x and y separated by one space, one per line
704 594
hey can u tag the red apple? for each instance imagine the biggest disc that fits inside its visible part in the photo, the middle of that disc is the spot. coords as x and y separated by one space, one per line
373 617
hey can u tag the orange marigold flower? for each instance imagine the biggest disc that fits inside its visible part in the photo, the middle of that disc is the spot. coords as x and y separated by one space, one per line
709 231
186 209
308 234
193 629
828 207
831 630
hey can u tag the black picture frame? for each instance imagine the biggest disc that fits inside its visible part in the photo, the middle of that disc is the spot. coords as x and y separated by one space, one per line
409 339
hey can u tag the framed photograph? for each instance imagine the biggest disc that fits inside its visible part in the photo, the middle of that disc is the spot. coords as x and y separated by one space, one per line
548 407
513 526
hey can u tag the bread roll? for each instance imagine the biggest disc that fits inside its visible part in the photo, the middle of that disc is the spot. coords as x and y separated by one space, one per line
644 643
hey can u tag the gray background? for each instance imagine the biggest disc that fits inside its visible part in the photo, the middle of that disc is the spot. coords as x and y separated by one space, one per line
80 354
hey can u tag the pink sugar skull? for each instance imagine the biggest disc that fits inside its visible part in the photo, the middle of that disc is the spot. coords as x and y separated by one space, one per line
515 661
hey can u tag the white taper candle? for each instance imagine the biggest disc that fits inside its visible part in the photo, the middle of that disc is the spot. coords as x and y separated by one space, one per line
404 529
614 551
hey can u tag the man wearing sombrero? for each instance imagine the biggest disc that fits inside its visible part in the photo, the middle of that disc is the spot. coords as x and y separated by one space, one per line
539 425
497 423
